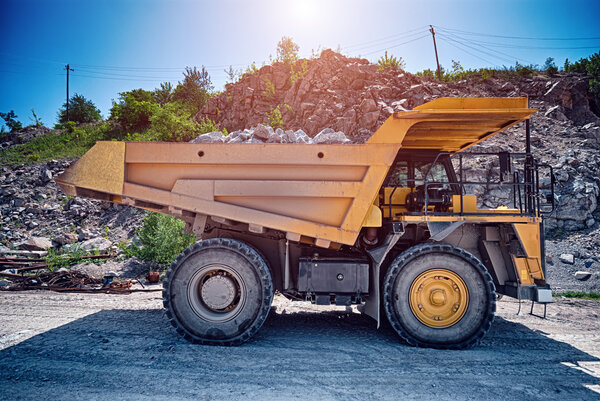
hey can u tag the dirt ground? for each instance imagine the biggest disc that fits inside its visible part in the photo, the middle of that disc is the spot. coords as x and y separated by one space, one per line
99 347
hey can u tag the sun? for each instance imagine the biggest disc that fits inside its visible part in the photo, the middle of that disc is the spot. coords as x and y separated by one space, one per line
305 9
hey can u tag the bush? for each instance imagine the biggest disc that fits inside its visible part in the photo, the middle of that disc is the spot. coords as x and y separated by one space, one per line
173 123
162 238
10 120
81 110
134 109
275 118
386 62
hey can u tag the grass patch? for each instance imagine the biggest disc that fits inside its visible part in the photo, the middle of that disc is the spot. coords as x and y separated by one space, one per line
580 294
56 145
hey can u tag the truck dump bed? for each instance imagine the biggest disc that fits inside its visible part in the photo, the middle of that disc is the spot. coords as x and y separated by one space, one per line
325 193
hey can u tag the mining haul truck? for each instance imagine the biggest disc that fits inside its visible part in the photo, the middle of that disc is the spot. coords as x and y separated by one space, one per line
391 225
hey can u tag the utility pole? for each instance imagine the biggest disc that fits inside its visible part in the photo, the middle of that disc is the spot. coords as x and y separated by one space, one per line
68 69
439 73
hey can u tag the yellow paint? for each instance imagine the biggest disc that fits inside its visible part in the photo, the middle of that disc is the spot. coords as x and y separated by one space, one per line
529 236
100 169
438 298
373 217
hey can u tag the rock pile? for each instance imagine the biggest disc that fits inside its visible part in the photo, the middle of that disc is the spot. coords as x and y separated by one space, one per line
265 134
36 215
352 96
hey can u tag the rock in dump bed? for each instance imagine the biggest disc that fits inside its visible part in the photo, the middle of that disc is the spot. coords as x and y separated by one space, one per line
266 134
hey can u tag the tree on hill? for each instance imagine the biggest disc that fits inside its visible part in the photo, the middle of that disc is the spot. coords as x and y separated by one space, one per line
195 89
10 120
287 51
81 110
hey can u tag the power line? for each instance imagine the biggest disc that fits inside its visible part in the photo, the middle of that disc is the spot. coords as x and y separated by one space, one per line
518 46
507 58
499 57
514 37
387 42
386 38
399 44
476 43
468 52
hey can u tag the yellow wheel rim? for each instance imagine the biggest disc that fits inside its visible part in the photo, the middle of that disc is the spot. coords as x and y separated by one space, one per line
438 298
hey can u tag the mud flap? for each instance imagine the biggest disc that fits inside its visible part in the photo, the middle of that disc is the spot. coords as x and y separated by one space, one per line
377 255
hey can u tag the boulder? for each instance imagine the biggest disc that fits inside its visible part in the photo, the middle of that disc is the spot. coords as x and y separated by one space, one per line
329 136
35 244
262 132
99 244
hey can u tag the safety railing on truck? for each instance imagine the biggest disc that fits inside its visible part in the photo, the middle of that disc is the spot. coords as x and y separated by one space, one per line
524 187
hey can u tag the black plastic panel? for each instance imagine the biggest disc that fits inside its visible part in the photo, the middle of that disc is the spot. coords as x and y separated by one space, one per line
333 275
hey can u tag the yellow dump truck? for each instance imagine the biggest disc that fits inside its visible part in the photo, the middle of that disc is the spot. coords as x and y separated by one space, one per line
388 224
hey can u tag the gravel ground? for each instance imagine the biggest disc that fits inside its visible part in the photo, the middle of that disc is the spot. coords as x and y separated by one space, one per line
96 346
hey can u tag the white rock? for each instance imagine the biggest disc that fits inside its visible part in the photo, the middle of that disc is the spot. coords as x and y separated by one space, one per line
36 244
211 137
328 137
99 244
582 275
567 258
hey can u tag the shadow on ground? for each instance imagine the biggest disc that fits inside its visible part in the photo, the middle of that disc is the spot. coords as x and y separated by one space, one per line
134 354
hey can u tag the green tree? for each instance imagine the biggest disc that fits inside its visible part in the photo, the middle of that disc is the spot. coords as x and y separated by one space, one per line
10 120
134 109
287 51
195 89
81 110
163 94
550 67
37 122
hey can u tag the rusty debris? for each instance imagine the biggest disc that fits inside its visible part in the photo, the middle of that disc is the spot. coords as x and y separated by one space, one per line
26 264
70 281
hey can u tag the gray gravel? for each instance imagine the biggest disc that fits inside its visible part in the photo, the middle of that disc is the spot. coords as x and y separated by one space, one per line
67 346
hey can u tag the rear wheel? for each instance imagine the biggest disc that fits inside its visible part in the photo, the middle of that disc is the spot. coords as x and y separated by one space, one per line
218 291
440 296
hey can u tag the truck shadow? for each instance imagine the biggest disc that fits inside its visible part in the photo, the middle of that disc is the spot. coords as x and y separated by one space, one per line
113 354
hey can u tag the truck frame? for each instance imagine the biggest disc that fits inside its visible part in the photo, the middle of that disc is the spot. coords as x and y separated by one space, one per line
387 224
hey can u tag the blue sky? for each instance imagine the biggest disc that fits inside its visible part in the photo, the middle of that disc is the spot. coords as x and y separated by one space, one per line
116 46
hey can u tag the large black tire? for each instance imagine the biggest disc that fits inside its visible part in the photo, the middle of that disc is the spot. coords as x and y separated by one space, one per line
218 292
465 328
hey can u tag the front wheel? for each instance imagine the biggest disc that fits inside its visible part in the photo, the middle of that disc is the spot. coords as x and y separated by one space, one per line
218 291
439 296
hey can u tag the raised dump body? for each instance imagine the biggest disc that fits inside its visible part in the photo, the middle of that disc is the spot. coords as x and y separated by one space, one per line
291 202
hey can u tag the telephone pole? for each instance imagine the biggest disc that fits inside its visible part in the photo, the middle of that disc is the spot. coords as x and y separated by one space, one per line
439 73
68 69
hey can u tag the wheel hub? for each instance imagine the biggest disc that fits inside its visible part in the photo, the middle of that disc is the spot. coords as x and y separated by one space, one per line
438 298
218 292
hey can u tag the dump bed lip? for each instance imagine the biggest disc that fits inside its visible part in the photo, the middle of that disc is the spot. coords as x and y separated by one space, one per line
452 124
